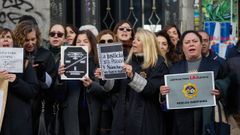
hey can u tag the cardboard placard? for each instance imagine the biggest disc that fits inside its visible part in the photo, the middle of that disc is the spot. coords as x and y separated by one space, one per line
3 98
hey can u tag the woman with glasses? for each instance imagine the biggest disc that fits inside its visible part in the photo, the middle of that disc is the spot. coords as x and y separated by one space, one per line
82 104
22 88
125 34
106 36
57 34
57 38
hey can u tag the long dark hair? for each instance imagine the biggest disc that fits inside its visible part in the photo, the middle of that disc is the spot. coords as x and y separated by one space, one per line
169 26
72 27
171 54
93 42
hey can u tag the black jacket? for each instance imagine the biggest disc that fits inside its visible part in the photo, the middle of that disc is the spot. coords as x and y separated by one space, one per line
137 111
233 97
46 64
18 114
74 92
232 52
213 56
182 120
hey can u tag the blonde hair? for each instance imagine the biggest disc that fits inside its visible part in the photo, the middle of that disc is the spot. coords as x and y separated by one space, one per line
151 49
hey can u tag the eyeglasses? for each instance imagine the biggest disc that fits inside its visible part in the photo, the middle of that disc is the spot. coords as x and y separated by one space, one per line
106 41
59 34
124 28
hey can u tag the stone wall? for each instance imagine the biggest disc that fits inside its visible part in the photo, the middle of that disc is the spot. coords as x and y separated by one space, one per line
12 10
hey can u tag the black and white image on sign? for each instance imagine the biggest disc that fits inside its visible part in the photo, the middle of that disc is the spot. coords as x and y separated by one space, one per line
111 61
75 59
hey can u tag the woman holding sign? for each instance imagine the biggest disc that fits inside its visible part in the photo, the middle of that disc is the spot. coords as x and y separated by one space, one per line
193 121
82 105
106 37
137 111
22 87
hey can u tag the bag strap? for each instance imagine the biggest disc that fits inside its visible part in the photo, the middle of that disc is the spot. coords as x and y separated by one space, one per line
26 64
219 113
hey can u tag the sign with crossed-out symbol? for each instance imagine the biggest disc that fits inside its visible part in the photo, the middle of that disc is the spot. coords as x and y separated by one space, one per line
75 59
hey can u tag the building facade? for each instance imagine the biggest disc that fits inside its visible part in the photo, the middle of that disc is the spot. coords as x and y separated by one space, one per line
104 14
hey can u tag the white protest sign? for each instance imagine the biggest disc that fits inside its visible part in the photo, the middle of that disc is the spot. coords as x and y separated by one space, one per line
11 59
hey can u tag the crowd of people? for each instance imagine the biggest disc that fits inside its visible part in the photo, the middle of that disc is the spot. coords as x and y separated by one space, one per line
40 103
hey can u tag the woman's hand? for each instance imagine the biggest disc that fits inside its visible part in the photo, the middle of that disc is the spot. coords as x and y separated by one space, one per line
215 92
61 70
7 76
87 81
3 74
98 73
11 77
128 69
164 90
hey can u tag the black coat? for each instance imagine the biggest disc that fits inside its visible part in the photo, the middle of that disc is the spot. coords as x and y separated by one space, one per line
71 108
18 114
213 56
233 51
47 60
181 122
233 97
94 96
139 113
46 63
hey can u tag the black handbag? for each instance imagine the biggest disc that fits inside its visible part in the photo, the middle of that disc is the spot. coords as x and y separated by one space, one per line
54 125
42 130
219 126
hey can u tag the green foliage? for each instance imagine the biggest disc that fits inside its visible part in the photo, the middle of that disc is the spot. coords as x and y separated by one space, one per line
217 10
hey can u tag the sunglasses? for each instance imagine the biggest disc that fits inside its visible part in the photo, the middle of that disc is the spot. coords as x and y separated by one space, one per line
127 29
106 41
59 34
